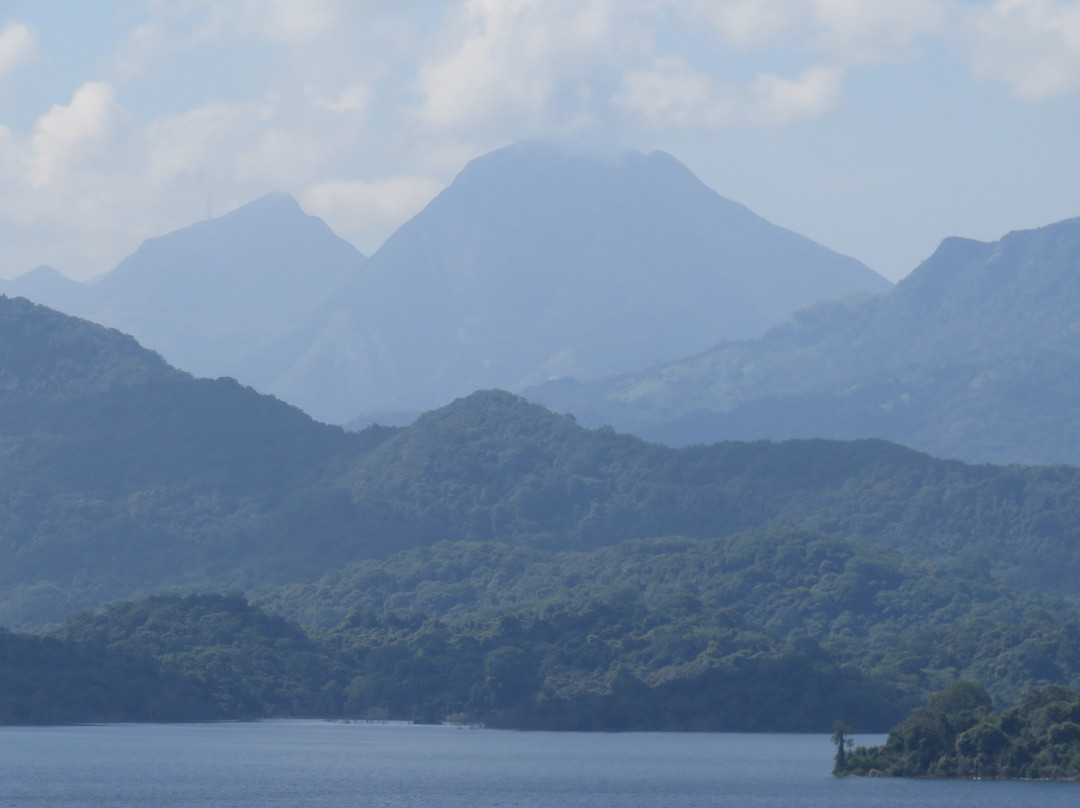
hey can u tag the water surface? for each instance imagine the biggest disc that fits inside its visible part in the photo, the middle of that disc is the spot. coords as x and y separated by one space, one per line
314 763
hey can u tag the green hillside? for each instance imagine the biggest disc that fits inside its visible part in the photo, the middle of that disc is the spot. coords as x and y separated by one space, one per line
957 734
778 629
123 477
498 562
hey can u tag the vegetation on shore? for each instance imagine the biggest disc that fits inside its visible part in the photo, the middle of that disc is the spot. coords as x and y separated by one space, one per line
774 629
958 734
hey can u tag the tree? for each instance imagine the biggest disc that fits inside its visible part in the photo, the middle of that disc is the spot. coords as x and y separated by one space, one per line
841 736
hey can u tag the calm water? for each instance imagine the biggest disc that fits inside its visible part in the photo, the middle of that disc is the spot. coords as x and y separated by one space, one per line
309 763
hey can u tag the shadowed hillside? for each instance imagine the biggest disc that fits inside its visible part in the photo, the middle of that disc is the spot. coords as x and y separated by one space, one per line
123 476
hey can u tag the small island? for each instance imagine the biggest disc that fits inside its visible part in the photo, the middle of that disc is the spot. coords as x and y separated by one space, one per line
957 734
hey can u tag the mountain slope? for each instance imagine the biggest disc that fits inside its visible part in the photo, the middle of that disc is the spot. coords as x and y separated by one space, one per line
972 356
47 286
210 295
535 264
120 475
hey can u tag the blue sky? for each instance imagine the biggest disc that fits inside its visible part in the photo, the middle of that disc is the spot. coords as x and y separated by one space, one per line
876 127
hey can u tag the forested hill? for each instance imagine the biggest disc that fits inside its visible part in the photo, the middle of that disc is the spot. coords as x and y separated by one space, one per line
48 356
494 466
122 476
778 629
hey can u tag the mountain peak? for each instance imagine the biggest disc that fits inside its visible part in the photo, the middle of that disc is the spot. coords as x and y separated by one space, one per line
576 166
274 205
545 260
270 242
45 285
971 356
43 273
1035 263
214 294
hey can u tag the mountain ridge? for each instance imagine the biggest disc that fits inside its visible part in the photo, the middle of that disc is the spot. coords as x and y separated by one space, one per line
122 477
208 295
968 357
535 263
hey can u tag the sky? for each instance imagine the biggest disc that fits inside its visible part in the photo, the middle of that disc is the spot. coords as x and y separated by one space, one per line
875 127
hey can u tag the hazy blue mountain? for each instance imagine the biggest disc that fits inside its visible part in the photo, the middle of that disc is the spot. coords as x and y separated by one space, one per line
209 296
536 263
212 294
974 355
46 285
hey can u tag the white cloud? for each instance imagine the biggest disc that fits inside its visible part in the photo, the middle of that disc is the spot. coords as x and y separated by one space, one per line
18 44
292 21
148 43
173 30
778 101
873 30
746 23
355 99
9 156
849 30
68 135
539 65
367 212
202 141
525 67
671 93
1032 46
259 145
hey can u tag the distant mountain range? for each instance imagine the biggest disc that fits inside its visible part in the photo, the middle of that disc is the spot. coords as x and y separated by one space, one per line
533 264
536 264
975 355
624 291
210 296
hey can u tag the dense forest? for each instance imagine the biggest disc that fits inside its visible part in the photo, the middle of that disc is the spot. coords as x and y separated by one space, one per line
124 477
45 680
773 629
957 734
494 562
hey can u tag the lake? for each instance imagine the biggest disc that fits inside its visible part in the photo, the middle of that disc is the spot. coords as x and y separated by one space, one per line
315 763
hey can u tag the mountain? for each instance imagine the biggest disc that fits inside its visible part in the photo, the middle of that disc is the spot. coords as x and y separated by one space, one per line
973 356
48 286
537 263
209 296
121 476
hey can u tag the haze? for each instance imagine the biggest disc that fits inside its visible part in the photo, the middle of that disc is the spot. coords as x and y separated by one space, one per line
875 128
